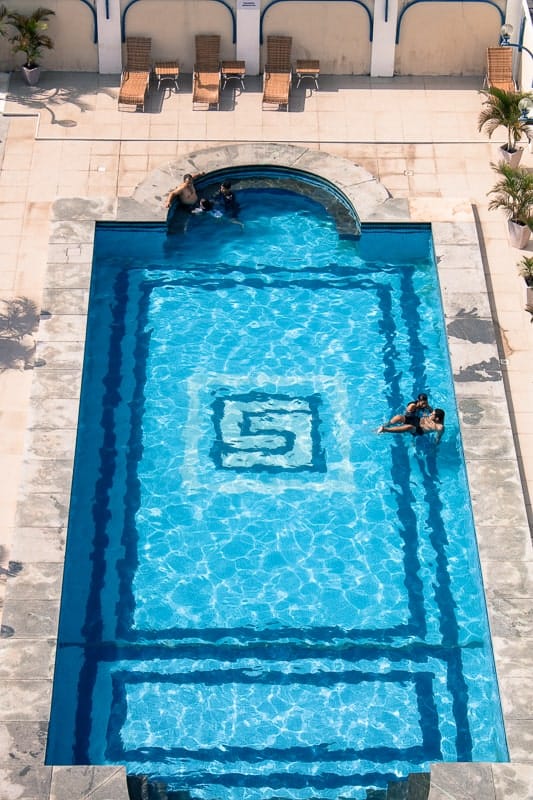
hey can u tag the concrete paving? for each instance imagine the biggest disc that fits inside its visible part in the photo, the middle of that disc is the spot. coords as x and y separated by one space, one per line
419 138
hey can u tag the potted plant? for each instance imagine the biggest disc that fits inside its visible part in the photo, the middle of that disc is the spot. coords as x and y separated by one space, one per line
525 269
502 109
514 194
30 38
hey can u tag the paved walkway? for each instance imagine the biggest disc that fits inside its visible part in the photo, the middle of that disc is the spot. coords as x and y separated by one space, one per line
418 136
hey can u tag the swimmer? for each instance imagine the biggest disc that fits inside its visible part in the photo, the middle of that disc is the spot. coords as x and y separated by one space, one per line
414 410
206 206
226 201
434 423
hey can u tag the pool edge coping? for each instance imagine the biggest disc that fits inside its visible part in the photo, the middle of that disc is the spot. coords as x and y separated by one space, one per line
498 504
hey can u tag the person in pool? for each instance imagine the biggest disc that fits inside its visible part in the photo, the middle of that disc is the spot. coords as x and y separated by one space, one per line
226 202
413 411
185 194
205 206
225 199
434 423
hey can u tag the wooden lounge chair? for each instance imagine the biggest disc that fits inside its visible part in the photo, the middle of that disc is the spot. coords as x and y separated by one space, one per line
206 76
277 72
500 68
136 75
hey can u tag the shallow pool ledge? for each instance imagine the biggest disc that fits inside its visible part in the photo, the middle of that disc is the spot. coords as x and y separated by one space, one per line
369 199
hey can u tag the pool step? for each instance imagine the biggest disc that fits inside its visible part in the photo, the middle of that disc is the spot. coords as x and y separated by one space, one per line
398 790
141 788
415 787
252 715
418 786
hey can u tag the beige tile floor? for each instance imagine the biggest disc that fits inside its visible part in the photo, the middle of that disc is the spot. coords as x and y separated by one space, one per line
417 135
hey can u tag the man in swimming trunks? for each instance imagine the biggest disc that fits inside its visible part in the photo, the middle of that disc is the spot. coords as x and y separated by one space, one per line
185 193
414 410
434 423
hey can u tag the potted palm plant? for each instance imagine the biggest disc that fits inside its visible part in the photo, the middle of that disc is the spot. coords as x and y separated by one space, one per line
525 269
514 194
30 38
502 109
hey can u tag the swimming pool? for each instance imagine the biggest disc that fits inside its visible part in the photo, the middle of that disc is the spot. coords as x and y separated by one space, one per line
262 596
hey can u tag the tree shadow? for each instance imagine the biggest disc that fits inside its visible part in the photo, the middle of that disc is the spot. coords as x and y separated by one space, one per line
54 93
19 319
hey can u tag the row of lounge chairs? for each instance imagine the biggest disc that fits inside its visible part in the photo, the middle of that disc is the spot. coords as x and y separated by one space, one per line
276 77
207 73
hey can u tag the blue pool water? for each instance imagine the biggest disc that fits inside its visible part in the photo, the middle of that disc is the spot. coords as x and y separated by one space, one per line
262 597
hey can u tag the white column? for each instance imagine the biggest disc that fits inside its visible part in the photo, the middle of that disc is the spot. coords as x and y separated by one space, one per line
109 44
383 45
248 48
514 11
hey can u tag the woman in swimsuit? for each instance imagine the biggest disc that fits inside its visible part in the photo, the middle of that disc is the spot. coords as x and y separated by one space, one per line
434 423
414 410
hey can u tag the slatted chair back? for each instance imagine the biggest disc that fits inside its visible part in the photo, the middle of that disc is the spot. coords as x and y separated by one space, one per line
500 68
207 52
279 53
138 53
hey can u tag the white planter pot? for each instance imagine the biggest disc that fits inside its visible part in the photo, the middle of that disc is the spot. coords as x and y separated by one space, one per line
31 76
528 297
511 157
518 234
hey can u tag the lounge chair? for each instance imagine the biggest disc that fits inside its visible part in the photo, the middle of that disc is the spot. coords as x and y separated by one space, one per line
136 75
500 68
206 76
277 72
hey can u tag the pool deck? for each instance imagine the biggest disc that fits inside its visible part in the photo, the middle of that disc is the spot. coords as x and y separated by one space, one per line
418 137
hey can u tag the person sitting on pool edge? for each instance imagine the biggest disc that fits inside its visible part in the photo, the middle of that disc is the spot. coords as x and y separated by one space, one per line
413 411
434 423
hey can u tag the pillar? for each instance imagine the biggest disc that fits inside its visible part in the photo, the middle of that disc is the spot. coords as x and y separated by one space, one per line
248 22
384 39
109 37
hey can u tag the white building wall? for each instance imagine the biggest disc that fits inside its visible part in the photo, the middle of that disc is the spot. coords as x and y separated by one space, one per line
438 38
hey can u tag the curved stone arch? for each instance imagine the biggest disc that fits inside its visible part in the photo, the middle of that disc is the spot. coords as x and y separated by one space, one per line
363 193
